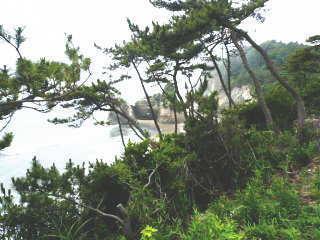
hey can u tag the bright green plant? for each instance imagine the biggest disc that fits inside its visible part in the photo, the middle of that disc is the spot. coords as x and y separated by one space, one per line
208 226
148 233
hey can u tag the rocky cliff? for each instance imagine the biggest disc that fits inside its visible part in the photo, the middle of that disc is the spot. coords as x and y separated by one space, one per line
239 94
141 111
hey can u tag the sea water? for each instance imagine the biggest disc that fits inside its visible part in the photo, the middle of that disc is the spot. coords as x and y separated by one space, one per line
34 136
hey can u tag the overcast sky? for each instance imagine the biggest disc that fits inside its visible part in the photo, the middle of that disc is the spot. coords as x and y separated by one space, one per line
104 22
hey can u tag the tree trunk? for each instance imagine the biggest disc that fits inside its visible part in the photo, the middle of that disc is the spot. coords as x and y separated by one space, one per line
228 68
175 119
154 117
132 122
120 129
301 110
228 93
119 110
257 84
176 89
174 107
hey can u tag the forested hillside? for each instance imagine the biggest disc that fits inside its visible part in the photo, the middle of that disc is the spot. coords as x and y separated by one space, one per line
277 51
250 171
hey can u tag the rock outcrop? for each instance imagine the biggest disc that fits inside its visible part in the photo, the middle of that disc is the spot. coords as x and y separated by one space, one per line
142 111
166 115
238 94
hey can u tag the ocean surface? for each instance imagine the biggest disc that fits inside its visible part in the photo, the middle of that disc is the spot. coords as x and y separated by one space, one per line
36 137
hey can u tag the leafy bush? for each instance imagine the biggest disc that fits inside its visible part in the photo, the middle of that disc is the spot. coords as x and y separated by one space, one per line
160 172
281 106
223 162
6 140
277 51
272 211
209 226
51 202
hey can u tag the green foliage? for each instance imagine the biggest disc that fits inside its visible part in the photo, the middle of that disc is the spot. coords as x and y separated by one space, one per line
314 40
48 80
302 68
200 18
280 151
315 186
280 103
160 172
148 233
161 183
278 53
40 85
303 65
270 212
49 201
6 140
209 226
73 233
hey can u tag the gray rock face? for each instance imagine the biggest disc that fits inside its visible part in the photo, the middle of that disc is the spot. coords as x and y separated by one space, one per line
166 115
141 110
238 94
214 84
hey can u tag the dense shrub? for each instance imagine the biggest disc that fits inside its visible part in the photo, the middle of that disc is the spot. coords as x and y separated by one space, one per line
162 175
209 226
161 183
270 212
281 106
222 161
51 202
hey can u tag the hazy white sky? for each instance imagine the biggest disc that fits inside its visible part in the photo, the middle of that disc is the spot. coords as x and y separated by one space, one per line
288 20
104 22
